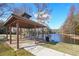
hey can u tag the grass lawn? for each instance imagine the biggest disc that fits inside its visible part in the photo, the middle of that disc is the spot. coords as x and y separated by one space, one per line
72 49
6 50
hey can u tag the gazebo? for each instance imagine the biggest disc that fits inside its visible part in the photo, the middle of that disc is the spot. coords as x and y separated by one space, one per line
20 22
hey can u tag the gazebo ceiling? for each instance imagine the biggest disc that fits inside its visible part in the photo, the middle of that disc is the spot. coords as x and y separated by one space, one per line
23 22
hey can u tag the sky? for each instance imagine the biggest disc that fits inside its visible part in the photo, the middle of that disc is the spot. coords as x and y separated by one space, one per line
59 14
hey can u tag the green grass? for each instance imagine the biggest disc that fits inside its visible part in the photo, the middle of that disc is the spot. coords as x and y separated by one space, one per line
72 49
22 52
6 50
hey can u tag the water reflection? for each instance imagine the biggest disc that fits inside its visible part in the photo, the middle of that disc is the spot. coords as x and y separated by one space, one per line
63 38
55 37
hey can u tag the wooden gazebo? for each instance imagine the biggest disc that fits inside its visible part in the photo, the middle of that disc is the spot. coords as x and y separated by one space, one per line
20 22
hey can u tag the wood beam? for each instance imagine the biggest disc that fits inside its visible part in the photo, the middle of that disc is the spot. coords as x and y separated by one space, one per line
20 33
10 35
34 34
17 33
7 33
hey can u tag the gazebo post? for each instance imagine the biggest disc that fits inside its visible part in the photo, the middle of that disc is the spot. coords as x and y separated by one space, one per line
26 31
42 33
10 35
34 35
7 33
29 32
17 33
20 33
37 32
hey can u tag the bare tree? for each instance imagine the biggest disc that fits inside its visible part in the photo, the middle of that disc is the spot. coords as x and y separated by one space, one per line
20 10
2 6
1 23
2 12
43 16
43 13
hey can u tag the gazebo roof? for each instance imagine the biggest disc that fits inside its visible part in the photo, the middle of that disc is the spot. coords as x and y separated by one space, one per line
23 22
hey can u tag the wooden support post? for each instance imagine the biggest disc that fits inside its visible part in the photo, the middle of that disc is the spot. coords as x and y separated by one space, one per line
20 33
17 33
42 33
38 33
7 33
74 40
29 32
26 32
35 34
10 35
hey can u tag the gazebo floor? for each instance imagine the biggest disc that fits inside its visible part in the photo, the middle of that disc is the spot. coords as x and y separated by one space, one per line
22 43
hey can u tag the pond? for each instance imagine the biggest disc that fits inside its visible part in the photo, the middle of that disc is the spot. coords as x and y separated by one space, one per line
62 38
55 37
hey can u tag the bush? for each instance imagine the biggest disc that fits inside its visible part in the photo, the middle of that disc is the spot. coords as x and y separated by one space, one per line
2 30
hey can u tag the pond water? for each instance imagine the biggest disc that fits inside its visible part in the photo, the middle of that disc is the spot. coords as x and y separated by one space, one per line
58 38
62 38
55 37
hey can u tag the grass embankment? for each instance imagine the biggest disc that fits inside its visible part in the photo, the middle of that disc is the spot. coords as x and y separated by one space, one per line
6 50
72 49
